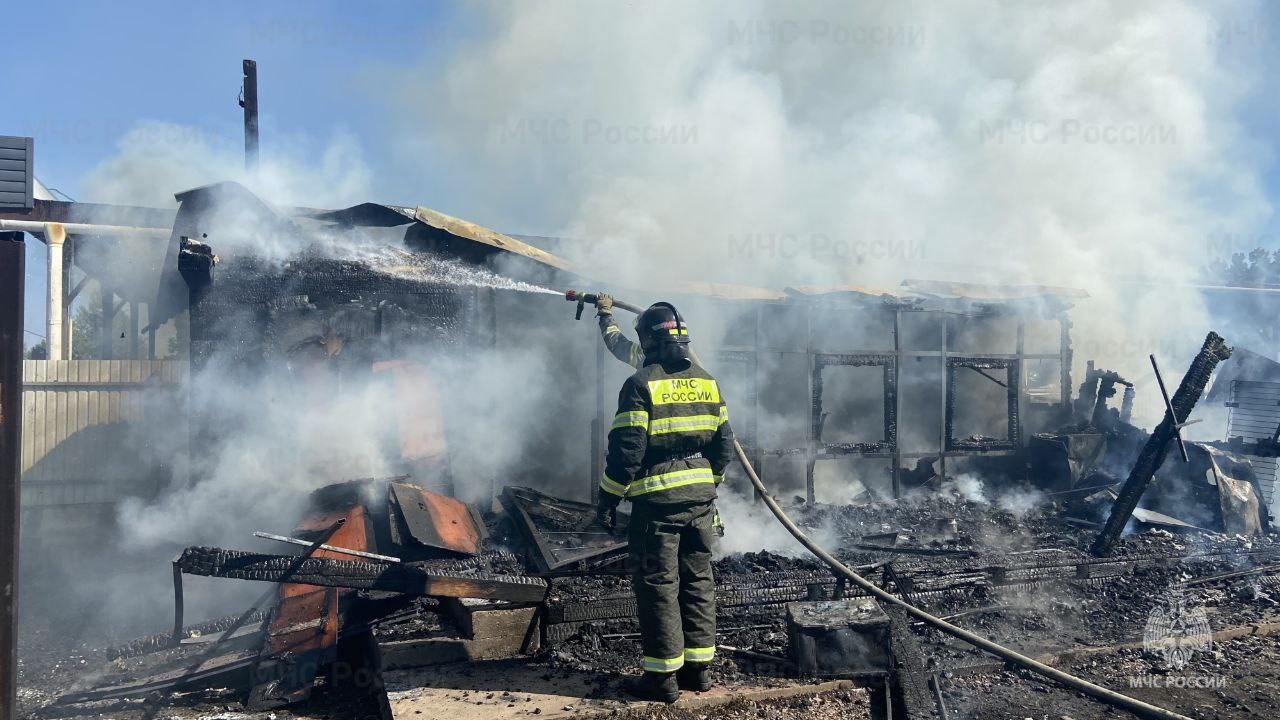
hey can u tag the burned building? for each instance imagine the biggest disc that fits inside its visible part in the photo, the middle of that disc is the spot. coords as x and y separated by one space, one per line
838 392
472 382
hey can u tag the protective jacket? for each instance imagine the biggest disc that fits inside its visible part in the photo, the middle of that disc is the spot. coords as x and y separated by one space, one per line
618 344
670 441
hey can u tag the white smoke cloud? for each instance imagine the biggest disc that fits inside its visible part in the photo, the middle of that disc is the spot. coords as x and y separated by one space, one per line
157 159
835 142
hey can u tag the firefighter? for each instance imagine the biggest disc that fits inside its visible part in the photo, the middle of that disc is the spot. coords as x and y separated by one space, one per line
669 446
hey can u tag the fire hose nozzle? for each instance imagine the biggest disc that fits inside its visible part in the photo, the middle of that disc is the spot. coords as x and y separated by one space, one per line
588 298
582 299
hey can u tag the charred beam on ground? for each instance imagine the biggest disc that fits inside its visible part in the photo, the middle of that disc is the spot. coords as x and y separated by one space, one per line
1214 351
324 572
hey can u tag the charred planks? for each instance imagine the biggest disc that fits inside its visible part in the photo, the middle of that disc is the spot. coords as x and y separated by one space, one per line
326 572
1213 351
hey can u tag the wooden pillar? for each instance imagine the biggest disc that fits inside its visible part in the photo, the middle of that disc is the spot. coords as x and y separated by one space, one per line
12 274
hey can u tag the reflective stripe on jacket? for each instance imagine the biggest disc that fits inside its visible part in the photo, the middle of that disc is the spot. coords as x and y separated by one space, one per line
670 440
618 344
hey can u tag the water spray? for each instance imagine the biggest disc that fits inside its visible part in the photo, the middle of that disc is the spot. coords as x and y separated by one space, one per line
1098 692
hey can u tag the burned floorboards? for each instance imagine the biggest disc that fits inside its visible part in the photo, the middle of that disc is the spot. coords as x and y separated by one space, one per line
1031 584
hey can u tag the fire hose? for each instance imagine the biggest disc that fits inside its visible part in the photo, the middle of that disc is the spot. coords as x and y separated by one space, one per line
1110 697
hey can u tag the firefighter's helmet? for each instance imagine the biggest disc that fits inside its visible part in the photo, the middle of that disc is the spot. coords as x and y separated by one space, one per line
661 326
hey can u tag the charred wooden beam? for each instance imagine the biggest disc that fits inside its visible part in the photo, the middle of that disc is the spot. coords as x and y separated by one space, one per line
324 572
1213 351
78 212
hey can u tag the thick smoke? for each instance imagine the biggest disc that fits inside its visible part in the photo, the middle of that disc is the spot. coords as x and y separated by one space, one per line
1092 146
246 449
156 160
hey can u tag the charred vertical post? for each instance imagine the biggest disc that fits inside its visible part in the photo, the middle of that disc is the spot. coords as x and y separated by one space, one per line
944 419
758 460
12 274
1066 353
891 433
1213 351
250 104
1088 394
1017 377
815 398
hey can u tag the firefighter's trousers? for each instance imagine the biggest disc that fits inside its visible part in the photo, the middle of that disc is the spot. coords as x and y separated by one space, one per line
671 548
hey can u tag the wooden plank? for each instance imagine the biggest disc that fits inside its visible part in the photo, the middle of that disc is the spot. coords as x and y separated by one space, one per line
28 413
1256 390
1258 403
36 429
1255 423
112 450
1250 434
83 421
61 464
50 423
93 410
1255 412
404 654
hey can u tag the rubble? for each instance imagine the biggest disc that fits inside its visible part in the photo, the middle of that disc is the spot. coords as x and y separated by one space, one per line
1030 583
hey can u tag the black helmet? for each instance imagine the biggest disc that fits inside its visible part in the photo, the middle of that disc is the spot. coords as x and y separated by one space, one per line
661 326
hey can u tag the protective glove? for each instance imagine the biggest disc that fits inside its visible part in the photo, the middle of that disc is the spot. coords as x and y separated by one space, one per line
604 304
607 515
716 523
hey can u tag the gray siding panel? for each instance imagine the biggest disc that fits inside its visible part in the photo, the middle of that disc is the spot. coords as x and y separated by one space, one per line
17 172
1255 417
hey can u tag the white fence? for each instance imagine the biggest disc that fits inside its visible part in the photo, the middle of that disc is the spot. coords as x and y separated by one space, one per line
86 426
